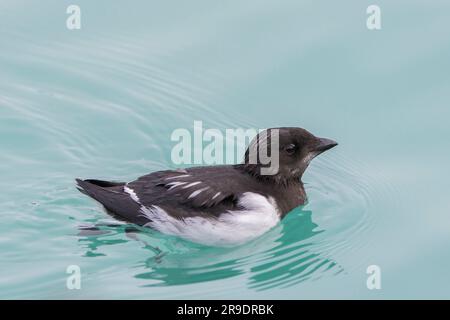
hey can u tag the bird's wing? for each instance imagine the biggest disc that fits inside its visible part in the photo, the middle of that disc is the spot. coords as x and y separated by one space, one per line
197 188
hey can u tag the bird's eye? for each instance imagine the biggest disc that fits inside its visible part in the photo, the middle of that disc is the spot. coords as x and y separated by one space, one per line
290 149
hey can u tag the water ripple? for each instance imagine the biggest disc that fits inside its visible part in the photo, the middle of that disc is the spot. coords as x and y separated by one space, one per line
306 246
115 114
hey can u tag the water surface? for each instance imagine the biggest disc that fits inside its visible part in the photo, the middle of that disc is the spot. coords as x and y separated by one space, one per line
102 101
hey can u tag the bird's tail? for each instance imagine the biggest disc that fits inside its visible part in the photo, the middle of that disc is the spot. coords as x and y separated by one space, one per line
112 196
86 185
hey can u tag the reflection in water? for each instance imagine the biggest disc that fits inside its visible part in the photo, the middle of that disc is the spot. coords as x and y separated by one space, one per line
95 241
295 258
286 255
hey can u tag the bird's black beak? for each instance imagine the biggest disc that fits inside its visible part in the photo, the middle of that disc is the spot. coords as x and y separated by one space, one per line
325 144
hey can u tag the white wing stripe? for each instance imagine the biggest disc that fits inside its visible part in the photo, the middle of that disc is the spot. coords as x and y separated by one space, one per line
192 184
132 194
216 195
174 177
197 192
175 184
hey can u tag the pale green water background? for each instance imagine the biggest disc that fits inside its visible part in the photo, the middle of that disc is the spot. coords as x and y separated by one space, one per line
102 101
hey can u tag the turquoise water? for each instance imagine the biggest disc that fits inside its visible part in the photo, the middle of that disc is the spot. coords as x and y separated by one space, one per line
102 101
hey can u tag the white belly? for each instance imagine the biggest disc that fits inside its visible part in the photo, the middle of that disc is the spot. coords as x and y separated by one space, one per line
258 215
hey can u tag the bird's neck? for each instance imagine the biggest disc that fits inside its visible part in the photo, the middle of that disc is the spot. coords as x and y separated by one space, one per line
277 179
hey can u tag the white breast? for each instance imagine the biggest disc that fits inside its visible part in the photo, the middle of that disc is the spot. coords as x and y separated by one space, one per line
258 215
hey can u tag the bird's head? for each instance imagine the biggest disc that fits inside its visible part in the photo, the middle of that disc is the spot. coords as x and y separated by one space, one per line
284 153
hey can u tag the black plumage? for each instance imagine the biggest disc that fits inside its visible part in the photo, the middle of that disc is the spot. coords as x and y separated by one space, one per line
211 191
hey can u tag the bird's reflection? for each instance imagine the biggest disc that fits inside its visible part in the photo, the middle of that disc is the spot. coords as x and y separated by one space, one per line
286 255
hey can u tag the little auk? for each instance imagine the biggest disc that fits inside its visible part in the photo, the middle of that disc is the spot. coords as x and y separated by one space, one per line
220 205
